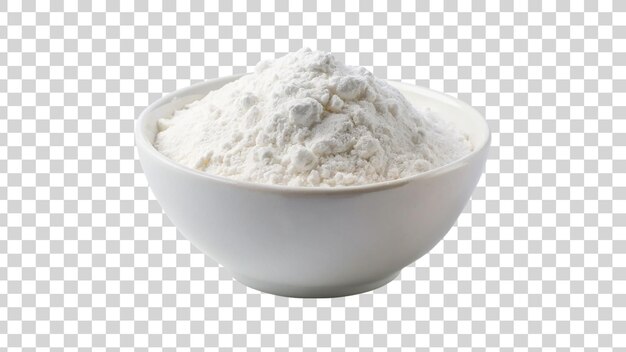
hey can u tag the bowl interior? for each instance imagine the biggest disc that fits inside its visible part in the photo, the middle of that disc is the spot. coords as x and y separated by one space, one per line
461 115
165 107
465 118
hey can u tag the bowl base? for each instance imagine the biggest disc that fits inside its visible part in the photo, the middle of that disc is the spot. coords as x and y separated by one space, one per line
313 291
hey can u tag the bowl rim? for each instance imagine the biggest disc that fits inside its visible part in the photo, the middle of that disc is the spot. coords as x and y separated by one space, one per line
142 142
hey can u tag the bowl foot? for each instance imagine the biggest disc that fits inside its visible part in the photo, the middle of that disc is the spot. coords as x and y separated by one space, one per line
313 291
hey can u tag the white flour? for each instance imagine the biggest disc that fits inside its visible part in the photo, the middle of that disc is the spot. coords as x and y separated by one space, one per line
307 120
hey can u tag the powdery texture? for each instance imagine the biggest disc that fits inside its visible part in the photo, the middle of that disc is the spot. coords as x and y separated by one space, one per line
308 120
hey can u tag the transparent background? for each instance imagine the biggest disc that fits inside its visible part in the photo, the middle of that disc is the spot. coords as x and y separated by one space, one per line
87 258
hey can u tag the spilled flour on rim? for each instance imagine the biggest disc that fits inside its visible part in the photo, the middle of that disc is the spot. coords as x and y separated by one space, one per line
306 119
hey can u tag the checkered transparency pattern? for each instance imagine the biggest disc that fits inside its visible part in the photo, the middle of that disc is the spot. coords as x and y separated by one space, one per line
88 259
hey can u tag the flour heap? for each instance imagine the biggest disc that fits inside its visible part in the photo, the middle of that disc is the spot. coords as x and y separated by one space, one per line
306 119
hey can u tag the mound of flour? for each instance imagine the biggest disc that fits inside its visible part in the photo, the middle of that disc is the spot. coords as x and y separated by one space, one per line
306 119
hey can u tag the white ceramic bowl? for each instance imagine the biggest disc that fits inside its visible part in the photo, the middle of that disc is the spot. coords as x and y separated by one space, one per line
314 242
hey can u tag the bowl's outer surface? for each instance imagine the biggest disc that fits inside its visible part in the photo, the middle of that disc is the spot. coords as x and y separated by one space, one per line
312 243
